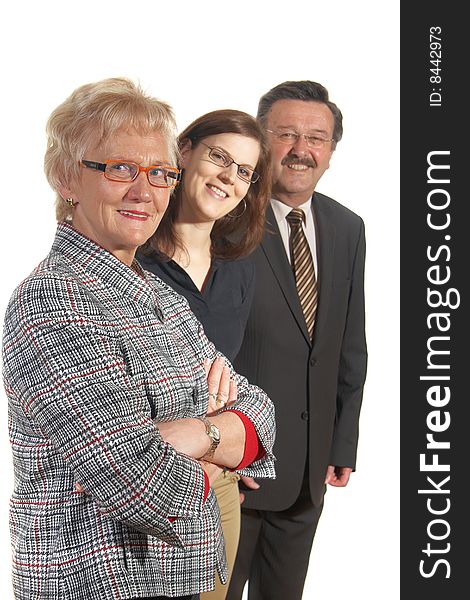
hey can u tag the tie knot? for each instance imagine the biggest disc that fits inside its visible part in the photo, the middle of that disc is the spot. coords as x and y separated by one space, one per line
296 217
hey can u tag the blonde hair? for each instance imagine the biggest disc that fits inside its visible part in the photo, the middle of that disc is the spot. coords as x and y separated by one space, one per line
90 115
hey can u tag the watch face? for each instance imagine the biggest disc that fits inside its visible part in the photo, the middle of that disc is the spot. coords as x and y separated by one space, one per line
215 434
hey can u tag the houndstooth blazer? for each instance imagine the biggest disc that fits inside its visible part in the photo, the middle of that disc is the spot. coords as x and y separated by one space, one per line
93 353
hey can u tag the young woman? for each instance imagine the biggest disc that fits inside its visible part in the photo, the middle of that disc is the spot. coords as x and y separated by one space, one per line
215 218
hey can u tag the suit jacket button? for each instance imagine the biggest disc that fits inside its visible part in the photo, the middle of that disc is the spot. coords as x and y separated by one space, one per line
313 361
304 415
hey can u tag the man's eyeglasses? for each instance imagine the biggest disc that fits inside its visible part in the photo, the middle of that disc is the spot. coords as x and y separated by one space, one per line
219 158
291 138
161 176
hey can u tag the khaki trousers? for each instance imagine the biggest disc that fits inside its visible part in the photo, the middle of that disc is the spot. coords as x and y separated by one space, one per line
226 492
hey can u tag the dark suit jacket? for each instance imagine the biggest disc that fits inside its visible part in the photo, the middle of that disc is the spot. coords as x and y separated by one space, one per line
317 390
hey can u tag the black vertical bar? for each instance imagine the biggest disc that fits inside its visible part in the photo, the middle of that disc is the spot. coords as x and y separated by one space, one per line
435 356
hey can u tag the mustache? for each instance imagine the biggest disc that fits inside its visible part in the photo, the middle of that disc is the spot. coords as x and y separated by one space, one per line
296 160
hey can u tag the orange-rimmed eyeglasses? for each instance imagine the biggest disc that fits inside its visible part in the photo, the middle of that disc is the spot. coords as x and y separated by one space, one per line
162 176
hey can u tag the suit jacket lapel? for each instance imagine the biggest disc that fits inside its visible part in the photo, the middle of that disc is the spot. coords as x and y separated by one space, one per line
325 236
275 253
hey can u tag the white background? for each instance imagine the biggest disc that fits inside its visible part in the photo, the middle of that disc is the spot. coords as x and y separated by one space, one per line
200 56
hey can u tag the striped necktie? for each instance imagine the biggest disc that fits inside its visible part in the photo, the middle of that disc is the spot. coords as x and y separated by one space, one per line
303 267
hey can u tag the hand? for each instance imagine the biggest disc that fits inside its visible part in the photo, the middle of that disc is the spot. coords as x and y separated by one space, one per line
222 389
212 471
250 483
187 436
338 476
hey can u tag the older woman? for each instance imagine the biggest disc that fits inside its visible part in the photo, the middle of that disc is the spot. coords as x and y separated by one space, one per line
216 216
108 374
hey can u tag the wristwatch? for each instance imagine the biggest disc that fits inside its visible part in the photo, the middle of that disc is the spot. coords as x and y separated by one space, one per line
214 435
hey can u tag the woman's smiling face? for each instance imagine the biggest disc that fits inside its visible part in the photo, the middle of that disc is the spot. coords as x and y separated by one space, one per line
120 216
211 191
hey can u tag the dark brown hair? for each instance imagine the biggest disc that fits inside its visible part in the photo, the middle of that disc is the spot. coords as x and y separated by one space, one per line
307 91
232 236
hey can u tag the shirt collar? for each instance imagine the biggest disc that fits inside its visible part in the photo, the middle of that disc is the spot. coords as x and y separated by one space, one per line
281 210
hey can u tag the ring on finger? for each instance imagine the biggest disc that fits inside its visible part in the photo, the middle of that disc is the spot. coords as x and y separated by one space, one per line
213 395
221 398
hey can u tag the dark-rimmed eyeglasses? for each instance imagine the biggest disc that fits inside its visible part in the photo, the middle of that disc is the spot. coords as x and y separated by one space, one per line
161 176
290 138
221 159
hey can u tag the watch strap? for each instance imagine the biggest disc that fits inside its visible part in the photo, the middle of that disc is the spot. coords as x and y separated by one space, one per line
214 435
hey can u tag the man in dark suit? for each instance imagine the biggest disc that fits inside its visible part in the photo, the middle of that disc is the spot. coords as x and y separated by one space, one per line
314 372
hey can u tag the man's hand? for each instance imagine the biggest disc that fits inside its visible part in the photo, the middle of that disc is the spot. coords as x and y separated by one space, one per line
250 483
338 476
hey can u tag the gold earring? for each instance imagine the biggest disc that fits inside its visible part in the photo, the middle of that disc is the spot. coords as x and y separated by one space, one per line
70 202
